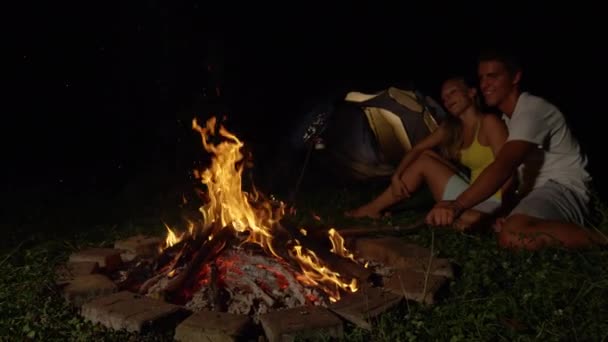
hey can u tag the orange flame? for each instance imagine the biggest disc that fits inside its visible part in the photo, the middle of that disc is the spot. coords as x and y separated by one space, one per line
316 274
172 238
228 205
337 243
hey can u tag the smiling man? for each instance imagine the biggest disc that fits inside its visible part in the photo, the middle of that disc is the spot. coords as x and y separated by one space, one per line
541 148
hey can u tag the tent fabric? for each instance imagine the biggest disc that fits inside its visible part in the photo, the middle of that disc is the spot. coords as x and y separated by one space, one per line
368 135
365 135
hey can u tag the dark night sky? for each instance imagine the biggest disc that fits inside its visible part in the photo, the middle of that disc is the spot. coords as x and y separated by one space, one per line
95 87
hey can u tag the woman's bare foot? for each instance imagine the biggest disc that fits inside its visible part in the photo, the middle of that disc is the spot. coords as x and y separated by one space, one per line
363 211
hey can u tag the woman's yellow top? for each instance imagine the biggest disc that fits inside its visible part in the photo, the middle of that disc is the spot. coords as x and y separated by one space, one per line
477 157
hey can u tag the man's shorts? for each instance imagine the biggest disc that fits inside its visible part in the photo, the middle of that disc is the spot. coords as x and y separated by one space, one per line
556 202
458 183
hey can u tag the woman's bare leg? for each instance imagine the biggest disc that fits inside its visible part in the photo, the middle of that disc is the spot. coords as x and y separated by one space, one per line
429 167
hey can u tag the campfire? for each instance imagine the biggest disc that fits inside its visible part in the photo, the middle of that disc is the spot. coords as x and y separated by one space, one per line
239 257
239 264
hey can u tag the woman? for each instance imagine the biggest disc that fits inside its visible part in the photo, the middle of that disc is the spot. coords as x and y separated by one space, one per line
467 137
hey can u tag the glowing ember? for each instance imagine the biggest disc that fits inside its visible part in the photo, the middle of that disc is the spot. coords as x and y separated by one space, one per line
227 205
250 284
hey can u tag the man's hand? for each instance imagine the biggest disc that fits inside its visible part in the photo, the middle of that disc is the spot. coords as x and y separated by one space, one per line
444 213
399 189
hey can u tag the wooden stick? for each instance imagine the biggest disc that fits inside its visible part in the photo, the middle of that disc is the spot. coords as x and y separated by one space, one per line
350 232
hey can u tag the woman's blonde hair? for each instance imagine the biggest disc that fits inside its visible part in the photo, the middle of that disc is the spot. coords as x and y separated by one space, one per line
451 145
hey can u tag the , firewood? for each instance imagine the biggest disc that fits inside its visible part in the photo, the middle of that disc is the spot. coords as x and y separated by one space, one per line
169 253
317 240
137 276
143 289
215 292
171 259
208 250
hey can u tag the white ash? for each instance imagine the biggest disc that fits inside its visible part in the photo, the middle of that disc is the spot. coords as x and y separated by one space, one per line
200 301
256 284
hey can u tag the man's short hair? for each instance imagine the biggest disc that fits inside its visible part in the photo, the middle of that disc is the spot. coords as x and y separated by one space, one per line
511 62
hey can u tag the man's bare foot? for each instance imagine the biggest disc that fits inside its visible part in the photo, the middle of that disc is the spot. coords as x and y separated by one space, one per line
362 212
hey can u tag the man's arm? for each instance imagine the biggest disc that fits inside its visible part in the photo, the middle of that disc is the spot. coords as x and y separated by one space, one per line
510 156
496 133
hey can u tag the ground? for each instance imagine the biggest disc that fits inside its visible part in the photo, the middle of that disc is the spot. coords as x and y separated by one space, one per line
553 294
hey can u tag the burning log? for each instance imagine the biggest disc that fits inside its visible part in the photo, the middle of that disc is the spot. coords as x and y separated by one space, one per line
215 291
208 249
319 241
171 260
138 276
145 287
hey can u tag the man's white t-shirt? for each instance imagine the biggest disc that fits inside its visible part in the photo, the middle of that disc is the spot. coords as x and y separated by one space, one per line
558 156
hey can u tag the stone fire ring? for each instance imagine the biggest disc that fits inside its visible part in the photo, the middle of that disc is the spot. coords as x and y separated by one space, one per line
85 285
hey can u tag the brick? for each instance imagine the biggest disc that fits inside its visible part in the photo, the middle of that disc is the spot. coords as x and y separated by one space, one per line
364 305
410 285
213 326
133 312
398 254
139 245
86 287
107 258
65 273
305 322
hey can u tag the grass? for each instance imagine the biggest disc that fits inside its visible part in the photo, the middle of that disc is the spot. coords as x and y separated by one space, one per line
551 295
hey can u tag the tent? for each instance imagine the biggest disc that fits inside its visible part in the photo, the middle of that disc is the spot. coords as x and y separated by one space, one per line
359 136
366 135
